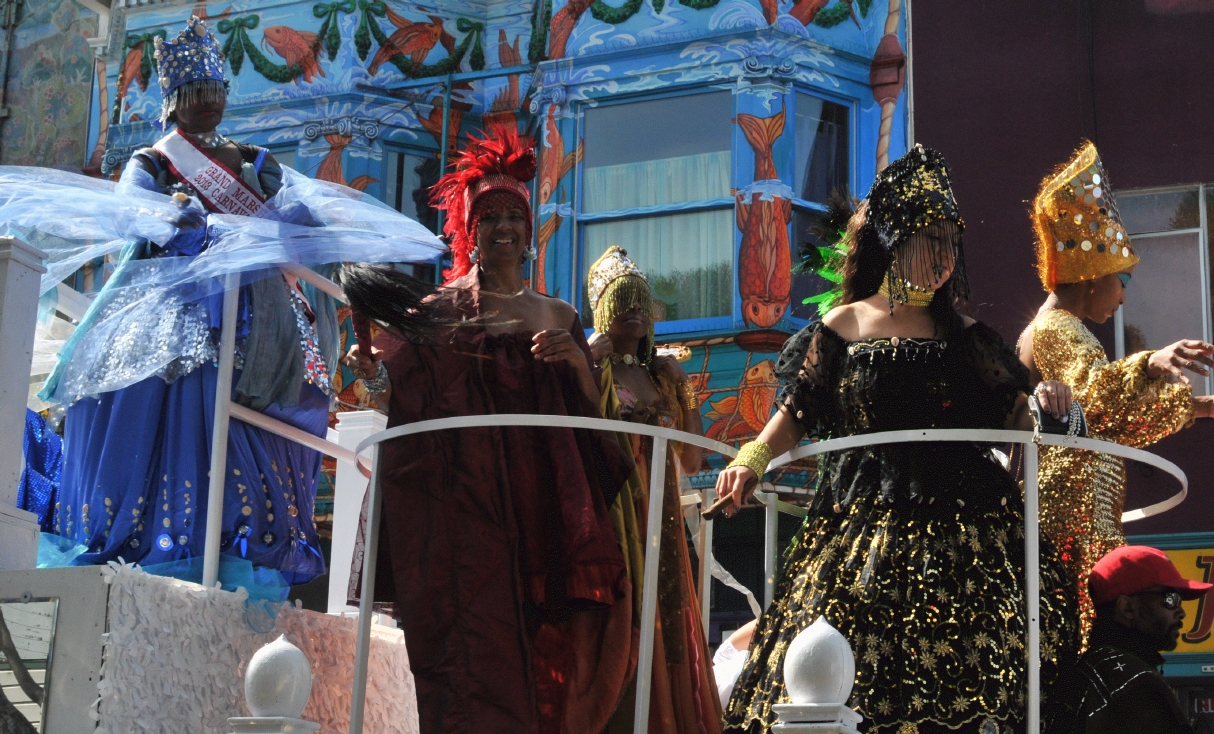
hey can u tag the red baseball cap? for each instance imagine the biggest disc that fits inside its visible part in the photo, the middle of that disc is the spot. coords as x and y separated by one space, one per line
1133 568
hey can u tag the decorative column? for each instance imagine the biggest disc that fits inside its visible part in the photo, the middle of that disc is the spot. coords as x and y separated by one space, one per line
348 492
763 142
20 274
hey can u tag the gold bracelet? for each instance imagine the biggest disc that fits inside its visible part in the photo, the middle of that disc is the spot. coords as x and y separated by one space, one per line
687 396
756 455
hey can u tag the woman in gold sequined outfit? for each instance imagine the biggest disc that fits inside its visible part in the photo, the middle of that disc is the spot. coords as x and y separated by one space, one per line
914 552
1085 259
639 386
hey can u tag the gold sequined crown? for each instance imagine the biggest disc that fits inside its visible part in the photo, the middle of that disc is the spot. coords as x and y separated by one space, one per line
613 264
1079 232
911 193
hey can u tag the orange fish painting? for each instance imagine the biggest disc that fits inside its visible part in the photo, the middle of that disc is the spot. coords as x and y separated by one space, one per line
131 71
296 47
413 39
764 257
433 123
504 109
555 162
563 24
806 10
744 415
331 169
544 234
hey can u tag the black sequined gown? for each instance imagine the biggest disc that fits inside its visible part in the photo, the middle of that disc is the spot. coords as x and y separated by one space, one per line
915 552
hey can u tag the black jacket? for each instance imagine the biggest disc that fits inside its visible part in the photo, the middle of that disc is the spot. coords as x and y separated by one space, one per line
1115 688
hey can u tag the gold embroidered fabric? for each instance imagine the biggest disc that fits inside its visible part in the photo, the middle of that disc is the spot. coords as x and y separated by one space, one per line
1083 493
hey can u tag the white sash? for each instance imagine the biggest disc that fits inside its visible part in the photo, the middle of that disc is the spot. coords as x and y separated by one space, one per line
218 187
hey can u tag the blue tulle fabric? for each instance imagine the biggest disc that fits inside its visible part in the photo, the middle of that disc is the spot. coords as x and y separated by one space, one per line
38 489
139 373
129 333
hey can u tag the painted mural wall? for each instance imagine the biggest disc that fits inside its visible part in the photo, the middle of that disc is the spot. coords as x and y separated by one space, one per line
50 77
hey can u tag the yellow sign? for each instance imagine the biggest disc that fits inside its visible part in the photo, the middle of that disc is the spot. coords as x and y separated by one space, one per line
1197 635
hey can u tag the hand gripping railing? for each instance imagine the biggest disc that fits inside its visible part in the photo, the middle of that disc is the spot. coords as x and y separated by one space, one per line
657 485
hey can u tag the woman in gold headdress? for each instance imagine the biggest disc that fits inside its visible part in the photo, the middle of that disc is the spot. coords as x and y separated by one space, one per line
1085 259
641 387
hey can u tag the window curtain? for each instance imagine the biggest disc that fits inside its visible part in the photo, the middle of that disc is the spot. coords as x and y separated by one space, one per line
688 258
657 182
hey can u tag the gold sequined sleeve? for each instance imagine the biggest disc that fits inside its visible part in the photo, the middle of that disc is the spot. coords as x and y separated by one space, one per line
1121 403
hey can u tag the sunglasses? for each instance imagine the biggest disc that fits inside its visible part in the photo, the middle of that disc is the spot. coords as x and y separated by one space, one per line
1171 599
1125 279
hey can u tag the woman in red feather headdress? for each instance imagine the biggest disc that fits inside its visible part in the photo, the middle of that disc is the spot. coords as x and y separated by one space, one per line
497 551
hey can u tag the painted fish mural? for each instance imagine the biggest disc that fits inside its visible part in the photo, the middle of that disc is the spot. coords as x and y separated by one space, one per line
412 38
331 169
743 415
764 257
555 163
297 47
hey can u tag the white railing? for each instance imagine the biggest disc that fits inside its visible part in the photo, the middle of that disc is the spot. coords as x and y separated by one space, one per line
661 437
225 410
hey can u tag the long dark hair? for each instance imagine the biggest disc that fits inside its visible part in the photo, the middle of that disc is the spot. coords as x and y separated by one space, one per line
868 262
393 298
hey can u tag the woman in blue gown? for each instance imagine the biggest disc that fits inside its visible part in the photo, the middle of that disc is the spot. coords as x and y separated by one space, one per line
140 374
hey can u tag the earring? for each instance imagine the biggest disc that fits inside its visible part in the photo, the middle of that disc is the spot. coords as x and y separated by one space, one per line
530 252
474 254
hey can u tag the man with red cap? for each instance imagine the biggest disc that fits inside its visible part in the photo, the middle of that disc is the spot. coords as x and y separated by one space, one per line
1116 686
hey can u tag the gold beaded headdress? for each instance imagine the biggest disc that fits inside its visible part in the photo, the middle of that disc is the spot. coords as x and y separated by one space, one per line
910 194
615 284
1079 232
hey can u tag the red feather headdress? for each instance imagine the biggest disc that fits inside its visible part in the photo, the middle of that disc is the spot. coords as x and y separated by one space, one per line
501 161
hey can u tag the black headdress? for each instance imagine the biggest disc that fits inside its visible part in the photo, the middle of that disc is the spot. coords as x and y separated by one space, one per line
911 193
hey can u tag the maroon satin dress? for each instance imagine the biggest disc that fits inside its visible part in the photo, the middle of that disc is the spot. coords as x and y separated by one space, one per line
496 548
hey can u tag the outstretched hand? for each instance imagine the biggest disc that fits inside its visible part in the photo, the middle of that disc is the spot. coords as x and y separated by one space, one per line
1187 354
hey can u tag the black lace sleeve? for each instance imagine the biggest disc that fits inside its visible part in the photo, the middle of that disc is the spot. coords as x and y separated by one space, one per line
807 370
1000 376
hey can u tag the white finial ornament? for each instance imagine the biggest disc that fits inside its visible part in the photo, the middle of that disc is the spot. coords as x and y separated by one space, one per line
277 685
819 672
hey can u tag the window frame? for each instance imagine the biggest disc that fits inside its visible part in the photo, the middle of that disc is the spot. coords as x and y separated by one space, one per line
442 261
678 327
1205 194
853 148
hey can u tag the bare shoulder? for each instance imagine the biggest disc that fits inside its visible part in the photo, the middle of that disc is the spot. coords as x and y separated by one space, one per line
844 320
560 312
967 321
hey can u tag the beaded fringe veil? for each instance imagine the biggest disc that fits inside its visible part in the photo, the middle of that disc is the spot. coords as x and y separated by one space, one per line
204 91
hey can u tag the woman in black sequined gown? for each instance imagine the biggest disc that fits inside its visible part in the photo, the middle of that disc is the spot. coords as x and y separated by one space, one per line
914 552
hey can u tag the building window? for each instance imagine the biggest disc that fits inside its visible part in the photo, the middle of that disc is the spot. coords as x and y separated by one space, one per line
1169 296
285 155
407 190
407 185
823 167
656 181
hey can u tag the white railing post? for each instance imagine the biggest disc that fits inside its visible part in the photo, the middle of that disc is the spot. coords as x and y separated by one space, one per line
20 275
219 435
1032 584
649 594
348 491
710 496
366 602
771 519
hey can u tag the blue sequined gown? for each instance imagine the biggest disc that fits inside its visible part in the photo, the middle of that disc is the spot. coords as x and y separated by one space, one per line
137 462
